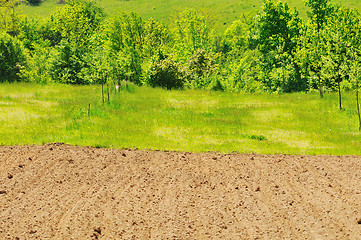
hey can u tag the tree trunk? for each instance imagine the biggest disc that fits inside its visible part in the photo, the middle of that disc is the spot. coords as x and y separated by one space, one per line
108 92
339 94
358 107
118 85
299 78
320 86
103 92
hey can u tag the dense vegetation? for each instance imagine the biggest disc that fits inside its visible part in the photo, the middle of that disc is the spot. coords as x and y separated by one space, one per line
271 49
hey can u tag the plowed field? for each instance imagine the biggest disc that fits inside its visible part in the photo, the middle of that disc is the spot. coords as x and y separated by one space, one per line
57 191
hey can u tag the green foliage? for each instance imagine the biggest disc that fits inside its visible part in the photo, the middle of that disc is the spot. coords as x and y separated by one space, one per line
239 36
77 21
68 64
157 38
166 73
279 29
34 2
12 58
126 40
77 24
38 65
192 32
270 50
10 16
320 11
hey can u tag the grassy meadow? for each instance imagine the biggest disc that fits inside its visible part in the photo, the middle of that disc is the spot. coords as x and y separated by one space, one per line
224 12
184 120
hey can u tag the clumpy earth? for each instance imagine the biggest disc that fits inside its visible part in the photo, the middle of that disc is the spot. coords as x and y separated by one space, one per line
57 191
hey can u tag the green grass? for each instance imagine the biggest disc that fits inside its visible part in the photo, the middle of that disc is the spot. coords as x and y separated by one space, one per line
188 120
225 12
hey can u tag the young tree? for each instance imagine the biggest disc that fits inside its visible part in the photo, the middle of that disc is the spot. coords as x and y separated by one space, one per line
342 35
320 11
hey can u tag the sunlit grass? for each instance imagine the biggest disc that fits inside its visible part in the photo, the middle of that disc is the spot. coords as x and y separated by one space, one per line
188 120
224 12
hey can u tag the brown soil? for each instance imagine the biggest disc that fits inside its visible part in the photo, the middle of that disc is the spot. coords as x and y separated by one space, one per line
58 191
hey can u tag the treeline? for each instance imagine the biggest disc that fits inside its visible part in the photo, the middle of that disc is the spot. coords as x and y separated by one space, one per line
272 50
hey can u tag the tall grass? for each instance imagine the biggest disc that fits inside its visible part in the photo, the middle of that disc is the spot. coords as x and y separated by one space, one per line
187 120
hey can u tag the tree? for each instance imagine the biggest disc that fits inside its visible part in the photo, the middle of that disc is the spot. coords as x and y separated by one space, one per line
12 58
279 29
192 32
9 16
77 21
126 34
320 11
238 36
157 37
342 36
166 73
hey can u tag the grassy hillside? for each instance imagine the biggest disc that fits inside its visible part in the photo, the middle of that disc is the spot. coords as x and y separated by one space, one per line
224 11
188 120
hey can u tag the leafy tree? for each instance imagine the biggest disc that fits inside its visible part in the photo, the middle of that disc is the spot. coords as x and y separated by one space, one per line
192 31
279 29
126 42
157 37
38 64
68 64
77 21
239 37
311 55
342 36
9 16
12 58
320 10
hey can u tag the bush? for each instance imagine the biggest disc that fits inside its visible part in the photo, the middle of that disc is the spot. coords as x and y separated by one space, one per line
165 73
38 65
34 2
12 58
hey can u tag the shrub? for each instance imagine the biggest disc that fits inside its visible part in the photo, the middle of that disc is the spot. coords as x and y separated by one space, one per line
38 65
34 2
12 58
165 73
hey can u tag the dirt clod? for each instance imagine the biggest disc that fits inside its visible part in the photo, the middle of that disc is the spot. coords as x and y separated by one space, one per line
98 230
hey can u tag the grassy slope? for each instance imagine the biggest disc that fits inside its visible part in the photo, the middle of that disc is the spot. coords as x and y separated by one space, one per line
225 11
178 120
